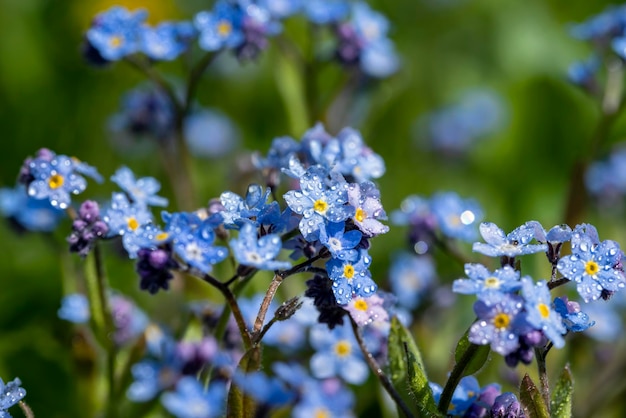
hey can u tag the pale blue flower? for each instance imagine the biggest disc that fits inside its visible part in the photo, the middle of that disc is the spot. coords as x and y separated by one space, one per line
337 354
516 243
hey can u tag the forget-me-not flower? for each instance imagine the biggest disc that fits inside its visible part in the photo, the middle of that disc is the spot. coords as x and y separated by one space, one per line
221 27
500 322
337 354
516 243
142 191
10 394
351 277
260 253
481 281
539 311
116 33
191 400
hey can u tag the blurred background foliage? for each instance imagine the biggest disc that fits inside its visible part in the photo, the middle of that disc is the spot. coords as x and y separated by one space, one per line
49 97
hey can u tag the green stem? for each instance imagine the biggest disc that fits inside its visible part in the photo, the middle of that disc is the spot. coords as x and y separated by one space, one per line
455 377
540 354
378 371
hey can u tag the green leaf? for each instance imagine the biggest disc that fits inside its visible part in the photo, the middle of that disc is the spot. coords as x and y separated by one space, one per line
480 354
407 369
239 404
561 405
531 399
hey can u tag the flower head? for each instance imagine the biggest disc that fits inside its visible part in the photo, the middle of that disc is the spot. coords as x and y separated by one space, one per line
190 400
252 251
481 281
337 354
456 217
116 33
166 41
142 191
221 27
10 394
351 277
539 311
499 323
499 244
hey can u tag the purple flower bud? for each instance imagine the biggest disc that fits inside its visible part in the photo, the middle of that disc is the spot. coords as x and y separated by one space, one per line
507 406
89 211
158 258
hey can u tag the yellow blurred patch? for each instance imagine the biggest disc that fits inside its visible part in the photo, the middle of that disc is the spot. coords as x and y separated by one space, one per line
158 10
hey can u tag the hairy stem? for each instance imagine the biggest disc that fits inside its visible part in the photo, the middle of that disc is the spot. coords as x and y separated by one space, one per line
455 377
544 385
378 371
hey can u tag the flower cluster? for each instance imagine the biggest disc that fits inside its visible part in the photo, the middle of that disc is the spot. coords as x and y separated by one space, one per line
516 314
243 27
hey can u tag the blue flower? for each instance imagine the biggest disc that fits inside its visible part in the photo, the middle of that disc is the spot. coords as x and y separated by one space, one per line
238 211
220 28
337 354
126 219
592 265
116 33
323 12
252 251
500 322
355 159
195 247
56 179
264 389
210 133
75 308
499 244
166 41
351 277
481 281
29 213
10 394
573 318
539 312
191 400
410 276
456 217
142 191
603 26
327 398
319 199
583 73
340 243
281 8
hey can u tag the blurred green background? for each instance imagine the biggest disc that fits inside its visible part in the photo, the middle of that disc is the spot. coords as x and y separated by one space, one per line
49 97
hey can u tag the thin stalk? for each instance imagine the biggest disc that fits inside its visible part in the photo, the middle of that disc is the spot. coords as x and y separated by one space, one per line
234 306
267 300
26 410
455 377
378 371
543 376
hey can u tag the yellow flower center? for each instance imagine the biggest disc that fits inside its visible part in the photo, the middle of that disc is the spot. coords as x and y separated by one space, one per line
224 28
320 206
116 41
321 413
591 268
501 321
55 181
161 236
348 271
132 223
544 310
343 348
360 305
492 282
360 215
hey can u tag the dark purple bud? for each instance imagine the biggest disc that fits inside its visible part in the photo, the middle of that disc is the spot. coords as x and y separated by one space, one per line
533 338
78 225
158 258
100 228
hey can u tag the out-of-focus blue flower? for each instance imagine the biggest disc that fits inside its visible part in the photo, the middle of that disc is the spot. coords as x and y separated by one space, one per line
410 276
603 26
29 213
56 179
456 128
260 253
355 159
325 398
456 217
74 308
126 219
282 150
116 33
606 179
324 12
145 111
129 321
142 191
351 277
608 324
264 389
166 41
281 9
190 400
481 281
337 354
593 265
583 73
221 27
339 242
573 318
210 134
539 312
319 199
365 198
515 243
10 394
499 323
